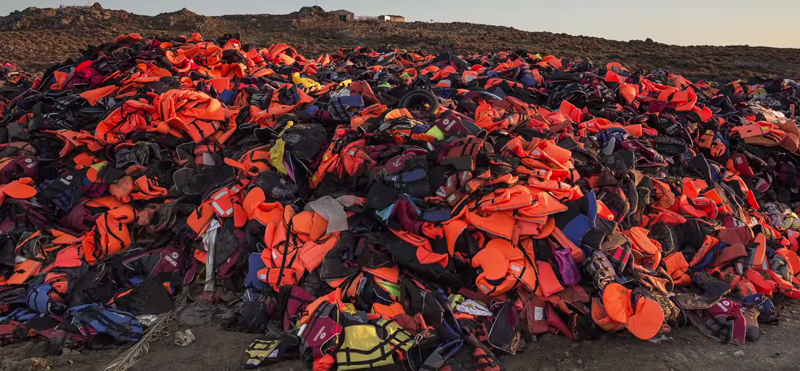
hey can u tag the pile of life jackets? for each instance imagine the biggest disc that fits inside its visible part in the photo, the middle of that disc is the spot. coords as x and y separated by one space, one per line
385 207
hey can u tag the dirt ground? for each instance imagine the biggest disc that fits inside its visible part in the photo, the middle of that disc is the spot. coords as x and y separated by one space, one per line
684 350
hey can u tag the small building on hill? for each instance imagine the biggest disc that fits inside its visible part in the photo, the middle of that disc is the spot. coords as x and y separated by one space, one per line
343 15
392 18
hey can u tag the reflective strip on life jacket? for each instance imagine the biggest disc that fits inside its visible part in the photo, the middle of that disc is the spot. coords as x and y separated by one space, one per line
601 318
523 273
222 203
494 289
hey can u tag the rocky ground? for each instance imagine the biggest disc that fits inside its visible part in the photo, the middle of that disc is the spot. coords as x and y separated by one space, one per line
37 38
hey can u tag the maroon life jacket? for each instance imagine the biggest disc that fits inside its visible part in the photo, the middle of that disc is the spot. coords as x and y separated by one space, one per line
19 167
164 260
557 324
723 321
322 330
463 153
84 74
727 316
297 301
536 316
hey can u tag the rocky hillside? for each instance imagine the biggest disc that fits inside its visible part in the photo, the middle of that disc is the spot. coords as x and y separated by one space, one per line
36 38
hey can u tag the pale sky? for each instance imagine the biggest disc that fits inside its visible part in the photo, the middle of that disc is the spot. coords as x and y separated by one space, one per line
681 22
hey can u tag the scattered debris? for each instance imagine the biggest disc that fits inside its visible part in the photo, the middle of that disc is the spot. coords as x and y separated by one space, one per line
184 338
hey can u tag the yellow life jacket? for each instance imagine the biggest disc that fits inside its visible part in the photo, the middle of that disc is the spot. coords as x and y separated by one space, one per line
371 345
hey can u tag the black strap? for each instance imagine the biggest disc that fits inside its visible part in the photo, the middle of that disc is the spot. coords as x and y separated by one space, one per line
489 361
380 347
97 253
533 265
111 233
470 149
199 129
289 235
